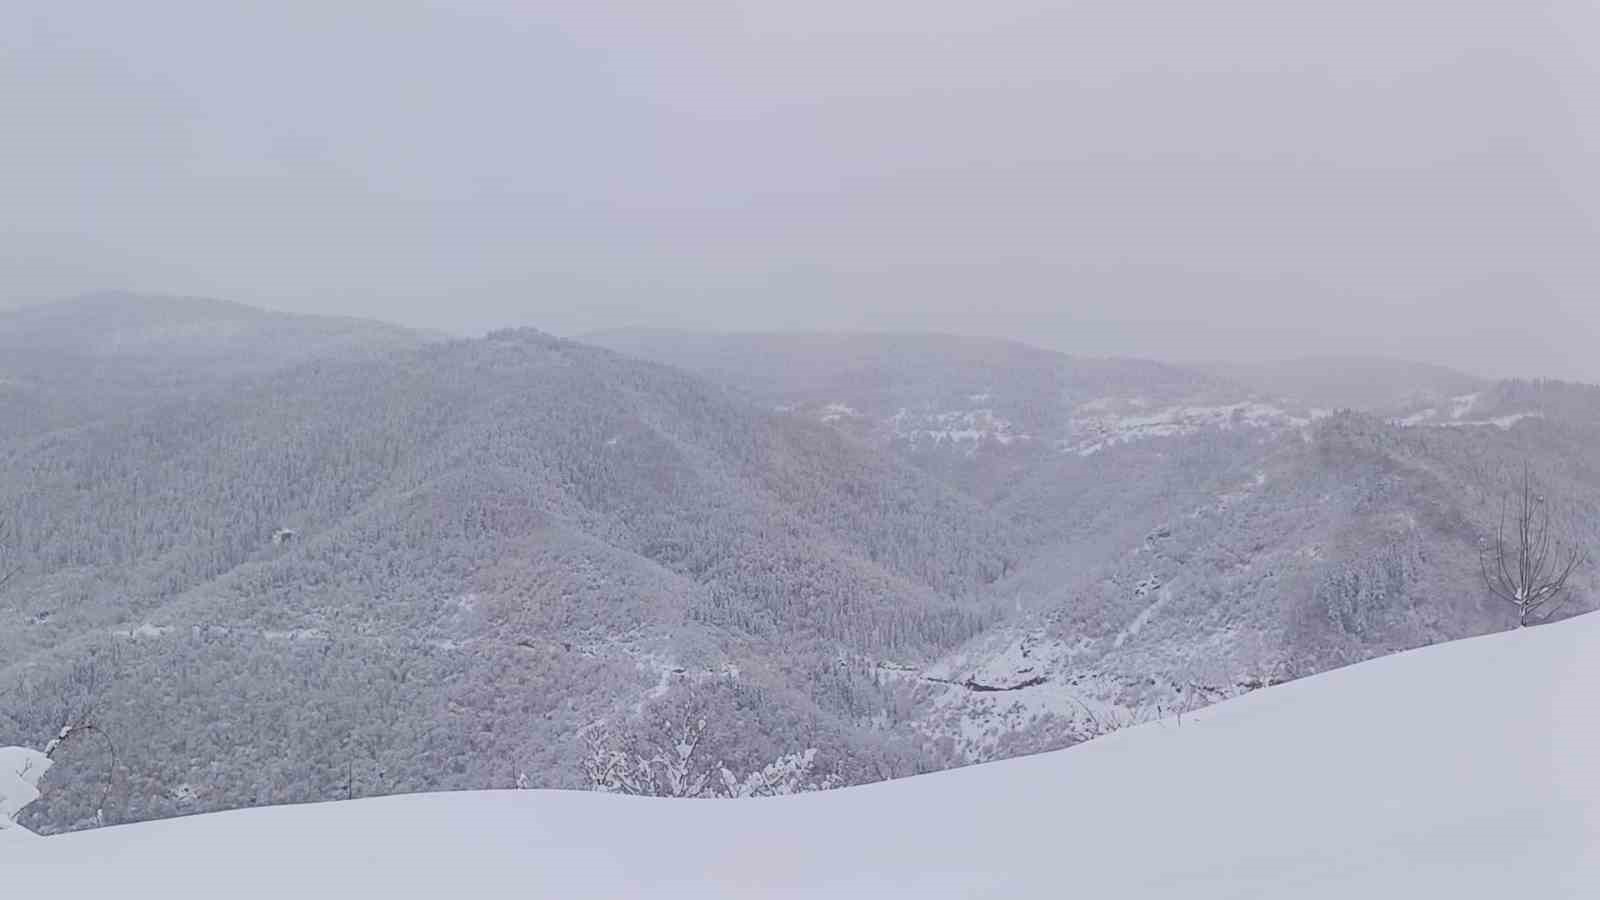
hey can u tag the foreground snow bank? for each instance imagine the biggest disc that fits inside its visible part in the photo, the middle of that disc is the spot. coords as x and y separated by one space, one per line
1468 770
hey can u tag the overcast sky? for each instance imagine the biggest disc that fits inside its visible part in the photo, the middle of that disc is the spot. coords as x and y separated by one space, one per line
1171 178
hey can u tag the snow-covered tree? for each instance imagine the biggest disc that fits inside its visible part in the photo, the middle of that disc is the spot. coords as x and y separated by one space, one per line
68 708
675 771
610 769
668 772
791 774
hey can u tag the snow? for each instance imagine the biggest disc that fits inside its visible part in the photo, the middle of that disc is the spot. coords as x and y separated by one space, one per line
834 412
1132 628
979 722
966 427
13 835
1458 412
146 630
1096 428
1466 770
1505 422
20 771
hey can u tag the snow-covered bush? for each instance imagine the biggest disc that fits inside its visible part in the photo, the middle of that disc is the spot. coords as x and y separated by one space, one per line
675 771
791 774
665 773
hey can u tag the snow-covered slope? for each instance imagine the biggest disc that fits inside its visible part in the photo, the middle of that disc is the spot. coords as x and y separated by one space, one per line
20 771
1463 770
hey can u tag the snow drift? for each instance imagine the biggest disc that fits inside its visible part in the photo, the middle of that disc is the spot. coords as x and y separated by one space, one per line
1464 770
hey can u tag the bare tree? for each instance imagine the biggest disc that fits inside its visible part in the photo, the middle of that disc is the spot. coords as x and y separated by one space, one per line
1529 567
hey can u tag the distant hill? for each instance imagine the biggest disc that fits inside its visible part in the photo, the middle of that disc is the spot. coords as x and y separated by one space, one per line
979 412
1367 383
68 362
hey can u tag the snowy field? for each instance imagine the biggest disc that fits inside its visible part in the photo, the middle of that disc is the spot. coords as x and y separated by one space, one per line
1469 770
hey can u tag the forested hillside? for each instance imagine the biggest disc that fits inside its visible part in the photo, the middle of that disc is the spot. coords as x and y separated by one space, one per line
1419 775
1186 537
287 559
435 568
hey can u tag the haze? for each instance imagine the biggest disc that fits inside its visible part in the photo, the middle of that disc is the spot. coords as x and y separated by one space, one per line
1247 179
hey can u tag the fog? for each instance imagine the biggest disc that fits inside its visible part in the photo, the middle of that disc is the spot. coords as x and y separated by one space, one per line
1246 179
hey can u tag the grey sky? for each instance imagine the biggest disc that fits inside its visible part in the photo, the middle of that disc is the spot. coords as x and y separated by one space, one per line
1174 178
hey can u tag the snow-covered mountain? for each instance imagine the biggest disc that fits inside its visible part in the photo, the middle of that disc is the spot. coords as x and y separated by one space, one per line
1466 770
436 566
1186 534
449 561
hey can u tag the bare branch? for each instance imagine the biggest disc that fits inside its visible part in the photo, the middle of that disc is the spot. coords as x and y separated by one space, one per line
1532 574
